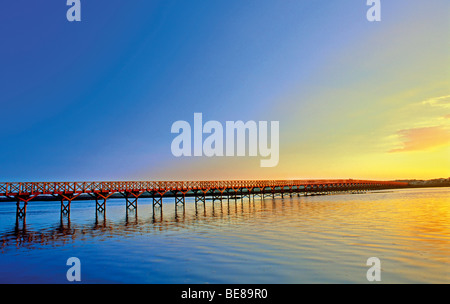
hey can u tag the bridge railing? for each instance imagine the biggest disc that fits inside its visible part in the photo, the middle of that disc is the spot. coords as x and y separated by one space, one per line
40 188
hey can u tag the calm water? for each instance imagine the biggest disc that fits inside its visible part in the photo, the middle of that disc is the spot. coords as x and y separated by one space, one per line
317 239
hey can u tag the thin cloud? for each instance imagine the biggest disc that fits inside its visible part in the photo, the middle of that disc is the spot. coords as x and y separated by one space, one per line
418 139
442 101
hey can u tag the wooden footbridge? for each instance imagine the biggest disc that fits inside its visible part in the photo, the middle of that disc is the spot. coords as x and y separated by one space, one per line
67 192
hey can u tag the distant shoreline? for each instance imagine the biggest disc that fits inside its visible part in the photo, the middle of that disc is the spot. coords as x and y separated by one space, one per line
427 186
415 183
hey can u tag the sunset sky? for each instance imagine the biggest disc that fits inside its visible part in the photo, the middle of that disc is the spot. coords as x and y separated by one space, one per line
96 99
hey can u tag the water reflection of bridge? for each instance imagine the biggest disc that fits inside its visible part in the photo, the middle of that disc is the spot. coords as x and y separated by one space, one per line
66 192
66 231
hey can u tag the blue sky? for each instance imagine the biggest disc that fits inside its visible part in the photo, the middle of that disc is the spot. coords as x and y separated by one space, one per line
95 100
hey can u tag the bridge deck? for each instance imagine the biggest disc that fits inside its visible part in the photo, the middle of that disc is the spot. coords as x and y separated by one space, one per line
66 192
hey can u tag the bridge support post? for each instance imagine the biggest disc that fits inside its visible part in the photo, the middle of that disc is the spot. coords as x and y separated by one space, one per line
200 198
131 199
157 201
250 192
265 194
179 199
245 194
100 202
216 196
261 193
131 204
65 206
157 211
21 211
99 205
235 194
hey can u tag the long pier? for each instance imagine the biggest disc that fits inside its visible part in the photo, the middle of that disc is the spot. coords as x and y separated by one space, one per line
66 192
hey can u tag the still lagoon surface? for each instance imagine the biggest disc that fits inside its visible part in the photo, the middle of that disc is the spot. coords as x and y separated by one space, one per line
314 239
